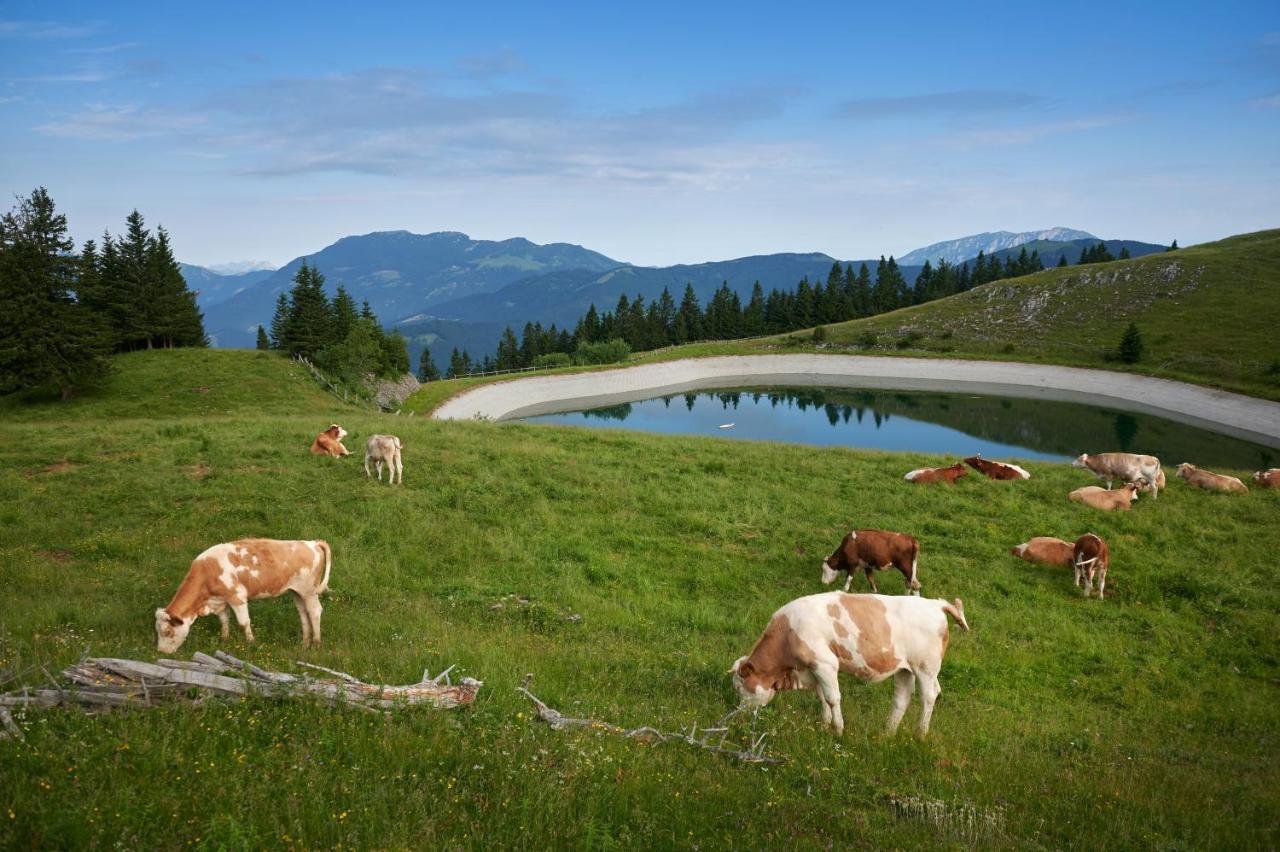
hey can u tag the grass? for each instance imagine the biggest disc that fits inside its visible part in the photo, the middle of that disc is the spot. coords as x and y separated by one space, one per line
1207 314
1148 720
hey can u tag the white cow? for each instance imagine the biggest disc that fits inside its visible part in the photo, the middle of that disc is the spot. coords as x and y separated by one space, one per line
384 449
870 636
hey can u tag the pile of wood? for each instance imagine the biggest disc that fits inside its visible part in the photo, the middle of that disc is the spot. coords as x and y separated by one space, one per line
102 683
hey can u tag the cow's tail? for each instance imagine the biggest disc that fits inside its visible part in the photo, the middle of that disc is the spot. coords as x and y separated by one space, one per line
915 566
955 609
324 548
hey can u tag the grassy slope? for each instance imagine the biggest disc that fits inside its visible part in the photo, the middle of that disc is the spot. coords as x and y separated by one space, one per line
1208 315
1150 719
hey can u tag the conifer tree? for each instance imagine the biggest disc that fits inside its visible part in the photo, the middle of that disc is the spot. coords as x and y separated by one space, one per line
508 351
862 296
1173 246
263 342
308 328
1124 253
689 316
279 321
1062 260
344 314
47 336
1131 346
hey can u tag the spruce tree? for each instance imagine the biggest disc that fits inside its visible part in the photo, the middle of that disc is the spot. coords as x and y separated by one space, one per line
263 342
1124 253
344 314
396 352
690 316
176 319
508 351
307 330
1131 347
1173 246
1062 260
863 305
279 322
427 371
47 336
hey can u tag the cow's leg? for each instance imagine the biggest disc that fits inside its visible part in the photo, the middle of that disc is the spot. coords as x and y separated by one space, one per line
871 580
303 617
242 618
903 684
1102 582
1109 481
826 708
367 473
848 580
399 467
225 633
929 691
830 693
314 609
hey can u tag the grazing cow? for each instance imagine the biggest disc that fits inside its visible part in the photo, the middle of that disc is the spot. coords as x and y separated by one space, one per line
874 550
1126 467
938 474
1210 481
995 469
231 575
329 442
1044 550
1090 558
1267 478
811 639
384 449
1100 498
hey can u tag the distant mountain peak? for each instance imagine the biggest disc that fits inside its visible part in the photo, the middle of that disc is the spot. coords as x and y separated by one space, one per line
964 248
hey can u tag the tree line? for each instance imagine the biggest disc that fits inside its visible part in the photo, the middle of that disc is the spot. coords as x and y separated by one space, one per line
331 333
66 313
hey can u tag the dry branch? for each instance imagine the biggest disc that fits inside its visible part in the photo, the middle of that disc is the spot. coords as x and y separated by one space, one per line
558 721
103 683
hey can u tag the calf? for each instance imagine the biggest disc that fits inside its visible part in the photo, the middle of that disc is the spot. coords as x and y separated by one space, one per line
1267 478
329 442
1098 497
231 575
938 474
874 550
1126 467
384 449
1210 481
811 639
1090 558
995 469
1044 550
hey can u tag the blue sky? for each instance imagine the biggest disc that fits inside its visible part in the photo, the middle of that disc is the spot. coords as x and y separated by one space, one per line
655 133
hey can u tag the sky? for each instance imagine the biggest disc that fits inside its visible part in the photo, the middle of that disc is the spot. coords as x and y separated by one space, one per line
654 133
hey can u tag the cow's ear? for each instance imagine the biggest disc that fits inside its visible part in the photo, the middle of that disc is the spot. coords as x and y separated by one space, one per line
174 620
745 668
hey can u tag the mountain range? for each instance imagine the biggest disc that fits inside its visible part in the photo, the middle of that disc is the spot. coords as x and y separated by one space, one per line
446 290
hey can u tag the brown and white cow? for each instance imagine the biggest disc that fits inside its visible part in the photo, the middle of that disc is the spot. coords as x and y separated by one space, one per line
1097 497
232 574
1267 478
995 469
872 637
937 474
1090 558
1045 550
329 442
1126 467
384 449
1210 481
874 550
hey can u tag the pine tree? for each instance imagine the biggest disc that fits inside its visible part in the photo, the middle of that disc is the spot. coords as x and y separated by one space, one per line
1173 246
455 364
863 304
1124 253
279 321
47 336
263 342
175 318
344 314
307 330
508 351
690 316
1062 260
396 351
1131 347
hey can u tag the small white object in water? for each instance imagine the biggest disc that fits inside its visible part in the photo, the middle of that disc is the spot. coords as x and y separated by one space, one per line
726 425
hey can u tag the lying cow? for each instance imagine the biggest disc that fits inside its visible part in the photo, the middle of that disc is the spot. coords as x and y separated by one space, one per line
1125 467
874 550
1098 497
1267 478
231 575
1210 481
1045 550
329 442
1090 558
870 636
384 449
995 469
937 474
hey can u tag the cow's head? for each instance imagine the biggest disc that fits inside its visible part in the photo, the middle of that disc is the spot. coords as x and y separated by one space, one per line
337 432
959 469
1132 488
1185 469
1260 477
171 631
1081 461
753 689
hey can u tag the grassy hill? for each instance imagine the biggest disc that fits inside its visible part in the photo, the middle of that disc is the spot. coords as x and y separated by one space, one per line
1208 314
1148 720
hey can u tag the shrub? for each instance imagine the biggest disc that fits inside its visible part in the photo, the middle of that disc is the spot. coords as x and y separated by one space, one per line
868 340
1130 349
1008 348
909 340
604 352
820 334
553 359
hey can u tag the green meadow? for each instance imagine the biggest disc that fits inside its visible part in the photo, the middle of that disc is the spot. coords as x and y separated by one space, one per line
625 572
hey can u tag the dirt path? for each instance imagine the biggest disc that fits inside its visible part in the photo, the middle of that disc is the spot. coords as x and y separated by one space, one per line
1232 414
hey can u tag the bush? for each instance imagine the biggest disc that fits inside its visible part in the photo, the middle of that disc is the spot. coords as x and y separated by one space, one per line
868 340
1130 349
911 339
605 352
820 334
1008 348
553 359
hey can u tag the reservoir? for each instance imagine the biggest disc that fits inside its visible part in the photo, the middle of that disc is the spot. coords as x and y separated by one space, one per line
949 424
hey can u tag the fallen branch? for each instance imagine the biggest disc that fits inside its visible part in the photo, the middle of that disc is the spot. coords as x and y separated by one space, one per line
104 683
558 721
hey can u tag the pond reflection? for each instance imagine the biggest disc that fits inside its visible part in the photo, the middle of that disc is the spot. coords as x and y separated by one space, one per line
943 423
